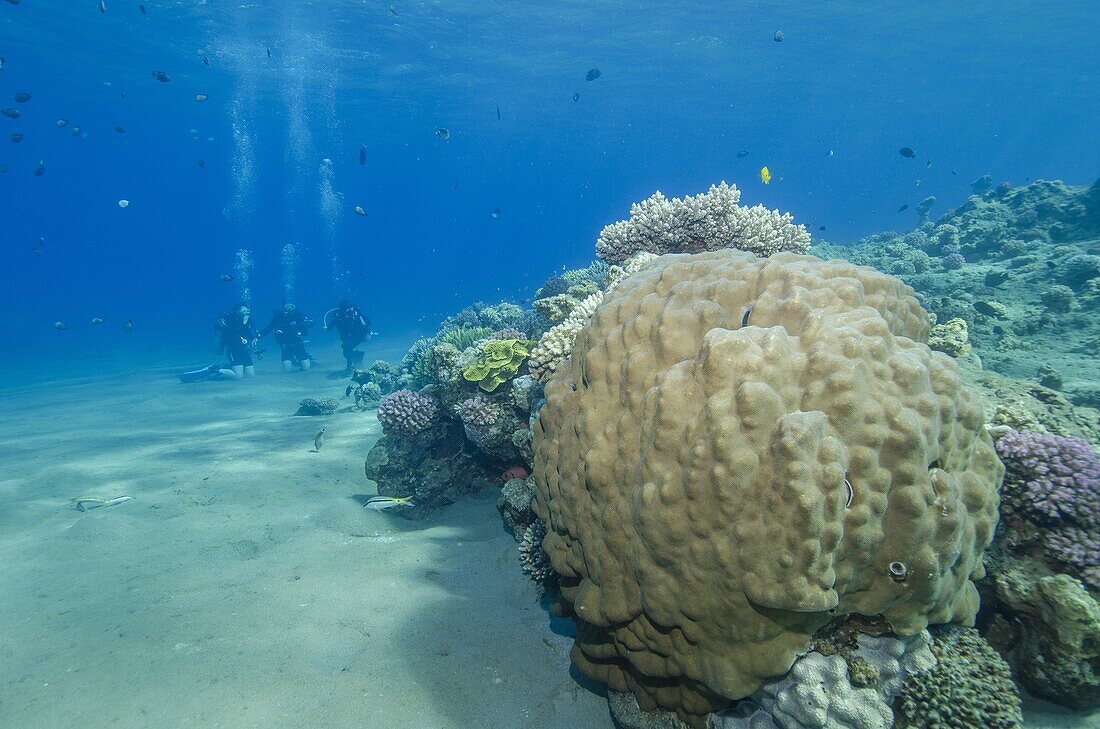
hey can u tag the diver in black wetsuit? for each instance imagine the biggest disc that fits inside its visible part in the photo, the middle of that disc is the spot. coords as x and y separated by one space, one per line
353 327
290 326
236 339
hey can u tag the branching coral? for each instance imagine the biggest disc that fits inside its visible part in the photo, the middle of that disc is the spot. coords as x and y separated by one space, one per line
1053 481
554 346
697 223
406 413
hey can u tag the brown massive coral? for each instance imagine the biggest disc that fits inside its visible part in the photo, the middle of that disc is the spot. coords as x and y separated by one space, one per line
740 449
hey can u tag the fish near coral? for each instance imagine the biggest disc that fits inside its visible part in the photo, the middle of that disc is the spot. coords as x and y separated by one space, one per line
765 175
382 503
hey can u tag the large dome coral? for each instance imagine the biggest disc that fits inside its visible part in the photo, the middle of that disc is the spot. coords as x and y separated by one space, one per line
740 449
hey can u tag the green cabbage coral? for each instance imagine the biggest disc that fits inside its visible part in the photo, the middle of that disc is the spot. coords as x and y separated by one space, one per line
500 361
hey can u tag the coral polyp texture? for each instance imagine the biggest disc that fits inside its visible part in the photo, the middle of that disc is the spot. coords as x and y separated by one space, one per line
741 449
407 413
1053 483
697 223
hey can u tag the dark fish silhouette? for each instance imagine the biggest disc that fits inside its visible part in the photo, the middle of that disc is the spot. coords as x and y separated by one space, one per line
903 208
128 326
269 53
161 76
17 137
778 37
75 132
22 97
40 169
202 163
821 228
142 9
11 113
226 277
3 168
120 129
592 75
102 6
498 112
363 155
907 152
393 10
743 154
443 133
205 61
576 96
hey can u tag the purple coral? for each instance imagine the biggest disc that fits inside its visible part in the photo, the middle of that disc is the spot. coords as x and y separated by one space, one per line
406 413
1050 478
1053 482
480 411
953 261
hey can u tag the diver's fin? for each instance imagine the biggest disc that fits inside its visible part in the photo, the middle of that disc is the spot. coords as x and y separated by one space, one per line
198 375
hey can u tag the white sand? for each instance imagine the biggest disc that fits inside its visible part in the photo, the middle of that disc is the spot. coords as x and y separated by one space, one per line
243 586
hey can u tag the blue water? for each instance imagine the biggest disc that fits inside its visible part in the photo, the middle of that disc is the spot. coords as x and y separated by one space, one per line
1007 88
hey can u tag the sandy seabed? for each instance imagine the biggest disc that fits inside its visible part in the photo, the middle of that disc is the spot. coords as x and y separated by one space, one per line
244 585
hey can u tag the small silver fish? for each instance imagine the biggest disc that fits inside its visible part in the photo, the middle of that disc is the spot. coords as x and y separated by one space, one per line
201 97
60 326
62 122
443 133
319 440
102 6
381 503
360 211
97 320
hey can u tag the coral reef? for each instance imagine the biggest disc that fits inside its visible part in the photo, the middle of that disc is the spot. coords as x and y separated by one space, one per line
499 361
532 558
407 413
951 338
369 385
514 505
1047 626
318 406
556 344
1050 501
970 686
740 449
698 223
435 466
1021 266
489 425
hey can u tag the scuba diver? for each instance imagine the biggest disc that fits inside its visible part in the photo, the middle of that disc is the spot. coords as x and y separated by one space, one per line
353 328
237 339
290 325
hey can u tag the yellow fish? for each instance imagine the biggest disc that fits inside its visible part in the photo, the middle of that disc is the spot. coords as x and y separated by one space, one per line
765 175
